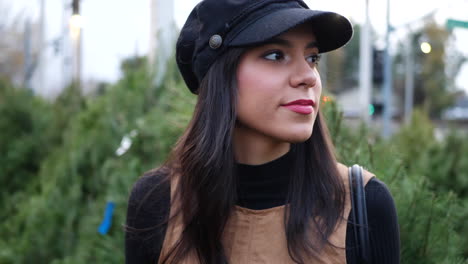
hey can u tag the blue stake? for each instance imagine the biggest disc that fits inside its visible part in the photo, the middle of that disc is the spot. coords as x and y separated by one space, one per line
107 221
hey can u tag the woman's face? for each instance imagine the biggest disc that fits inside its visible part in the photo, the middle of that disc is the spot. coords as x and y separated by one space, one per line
279 88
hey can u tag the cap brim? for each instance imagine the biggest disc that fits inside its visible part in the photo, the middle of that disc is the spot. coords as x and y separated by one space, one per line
331 30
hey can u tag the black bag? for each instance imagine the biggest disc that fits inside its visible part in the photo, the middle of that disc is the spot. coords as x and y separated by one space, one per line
359 214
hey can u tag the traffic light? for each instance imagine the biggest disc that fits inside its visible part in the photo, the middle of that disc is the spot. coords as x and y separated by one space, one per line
378 62
371 109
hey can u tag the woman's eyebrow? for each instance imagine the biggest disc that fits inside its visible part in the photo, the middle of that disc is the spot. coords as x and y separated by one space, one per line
288 44
312 45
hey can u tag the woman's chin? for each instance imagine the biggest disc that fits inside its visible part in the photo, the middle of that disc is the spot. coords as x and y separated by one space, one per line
298 140
298 137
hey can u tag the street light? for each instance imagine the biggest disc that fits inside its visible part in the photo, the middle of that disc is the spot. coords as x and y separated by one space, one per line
426 47
76 24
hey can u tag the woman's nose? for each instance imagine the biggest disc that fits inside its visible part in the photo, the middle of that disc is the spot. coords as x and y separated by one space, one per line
303 74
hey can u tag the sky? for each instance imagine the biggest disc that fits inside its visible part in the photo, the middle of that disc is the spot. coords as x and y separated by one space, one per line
116 29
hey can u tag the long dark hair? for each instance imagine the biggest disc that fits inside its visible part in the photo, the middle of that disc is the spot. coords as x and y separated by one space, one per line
204 163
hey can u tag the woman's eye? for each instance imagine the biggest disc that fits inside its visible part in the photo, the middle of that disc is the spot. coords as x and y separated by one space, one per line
274 56
314 59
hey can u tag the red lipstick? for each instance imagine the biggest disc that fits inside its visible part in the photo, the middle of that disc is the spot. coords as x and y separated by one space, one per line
302 106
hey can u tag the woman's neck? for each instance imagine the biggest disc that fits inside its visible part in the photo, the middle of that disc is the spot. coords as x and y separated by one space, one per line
255 149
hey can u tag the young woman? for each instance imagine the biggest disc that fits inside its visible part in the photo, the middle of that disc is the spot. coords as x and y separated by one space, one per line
254 179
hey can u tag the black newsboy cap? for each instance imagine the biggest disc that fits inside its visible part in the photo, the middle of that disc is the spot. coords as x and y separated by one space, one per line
215 25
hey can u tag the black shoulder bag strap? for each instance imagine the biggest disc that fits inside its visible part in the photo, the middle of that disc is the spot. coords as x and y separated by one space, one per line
359 214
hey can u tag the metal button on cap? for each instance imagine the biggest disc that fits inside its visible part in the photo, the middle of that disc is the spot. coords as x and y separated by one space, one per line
215 41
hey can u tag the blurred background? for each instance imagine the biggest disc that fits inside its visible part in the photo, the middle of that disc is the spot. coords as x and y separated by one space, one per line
85 92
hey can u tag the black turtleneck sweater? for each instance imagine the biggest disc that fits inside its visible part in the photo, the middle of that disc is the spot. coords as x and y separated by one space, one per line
260 187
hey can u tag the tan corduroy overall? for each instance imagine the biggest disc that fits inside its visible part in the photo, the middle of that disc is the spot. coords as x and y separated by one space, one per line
258 236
